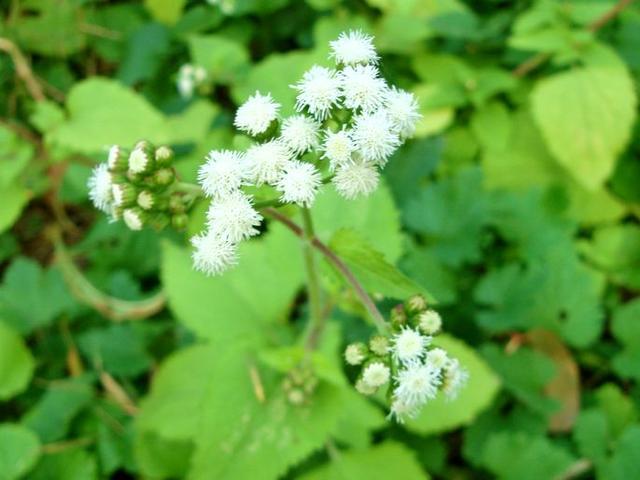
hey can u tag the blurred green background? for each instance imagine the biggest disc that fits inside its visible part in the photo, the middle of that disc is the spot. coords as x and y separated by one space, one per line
516 206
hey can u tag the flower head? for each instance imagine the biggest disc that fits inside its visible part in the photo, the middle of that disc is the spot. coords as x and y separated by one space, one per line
417 383
233 217
430 322
256 114
299 183
100 187
222 173
140 160
300 134
402 108
402 410
363 88
375 137
354 47
455 377
409 345
355 179
337 148
266 161
133 218
376 374
355 353
213 254
437 358
318 91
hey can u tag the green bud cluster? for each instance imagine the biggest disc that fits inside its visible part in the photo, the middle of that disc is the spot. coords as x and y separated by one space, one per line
143 184
300 384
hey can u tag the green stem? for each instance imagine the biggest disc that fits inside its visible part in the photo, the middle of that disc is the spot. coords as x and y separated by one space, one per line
315 325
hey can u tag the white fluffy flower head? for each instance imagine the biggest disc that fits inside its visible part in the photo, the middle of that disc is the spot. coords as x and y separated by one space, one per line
354 47
375 137
430 322
212 254
402 108
233 217
222 173
355 179
376 374
267 161
318 91
402 410
354 354
362 87
299 183
409 345
99 185
455 377
437 358
337 148
417 383
132 219
256 114
300 134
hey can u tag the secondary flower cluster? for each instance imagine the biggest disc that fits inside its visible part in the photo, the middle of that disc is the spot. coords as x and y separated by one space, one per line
138 187
190 77
348 123
406 362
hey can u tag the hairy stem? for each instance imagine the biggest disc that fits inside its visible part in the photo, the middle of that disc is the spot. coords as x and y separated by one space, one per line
364 297
315 325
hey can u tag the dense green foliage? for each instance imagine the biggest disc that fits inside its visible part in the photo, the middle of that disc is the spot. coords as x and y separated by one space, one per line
515 208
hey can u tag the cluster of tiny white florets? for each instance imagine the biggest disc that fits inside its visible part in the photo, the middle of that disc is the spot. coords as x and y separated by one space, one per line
414 370
348 123
189 78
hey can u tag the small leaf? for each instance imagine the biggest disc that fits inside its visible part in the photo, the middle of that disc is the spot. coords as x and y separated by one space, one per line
165 11
626 329
16 363
19 451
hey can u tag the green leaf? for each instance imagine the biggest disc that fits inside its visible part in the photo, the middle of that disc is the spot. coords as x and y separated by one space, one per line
518 456
225 60
118 349
624 461
586 116
19 451
165 11
73 464
372 269
16 363
174 393
246 299
160 458
441 415
591 434
31 297
375 218
120 117
51 417
626 329
450 214
423 267
387 460
13 199
615 249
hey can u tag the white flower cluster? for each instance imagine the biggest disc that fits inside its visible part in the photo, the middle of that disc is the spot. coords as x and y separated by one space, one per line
349 123
420 370
190 77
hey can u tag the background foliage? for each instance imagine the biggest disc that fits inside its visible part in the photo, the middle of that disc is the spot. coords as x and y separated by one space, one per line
516 208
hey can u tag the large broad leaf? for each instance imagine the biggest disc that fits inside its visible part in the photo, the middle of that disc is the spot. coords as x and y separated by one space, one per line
586 116
16 363
70 464
372 269
19 451
375 218
441 415
255 293
224 59
103 112
384 461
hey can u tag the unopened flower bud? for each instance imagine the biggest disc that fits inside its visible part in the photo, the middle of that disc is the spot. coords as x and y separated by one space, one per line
416 304
375 374
176 204
364 388
430 322
180 221
164 177
379 345
141 160
147 200
164 156
134 218
117 160
296 397
124 194
355 353
398 316
159 221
